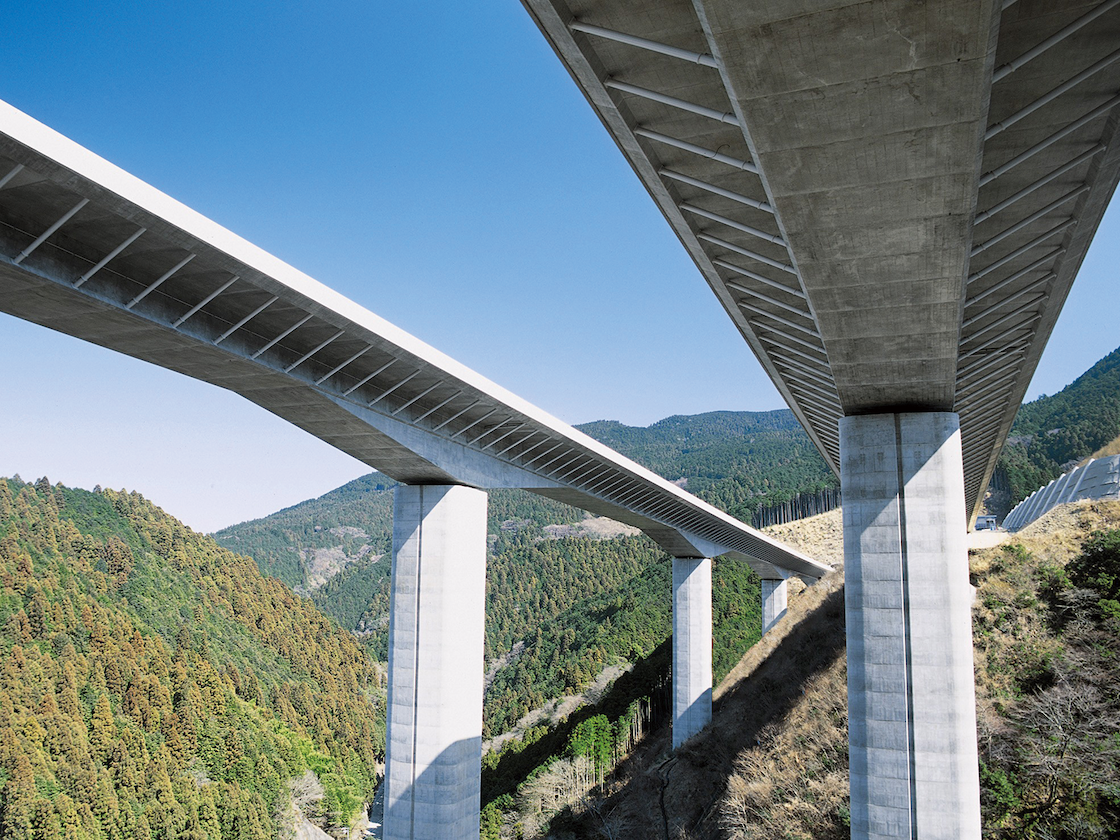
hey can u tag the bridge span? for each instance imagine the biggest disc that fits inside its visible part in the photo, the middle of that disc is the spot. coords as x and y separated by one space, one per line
891 200
89 250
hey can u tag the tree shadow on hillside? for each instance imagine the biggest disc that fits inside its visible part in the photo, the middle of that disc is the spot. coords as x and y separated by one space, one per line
660 794
647 679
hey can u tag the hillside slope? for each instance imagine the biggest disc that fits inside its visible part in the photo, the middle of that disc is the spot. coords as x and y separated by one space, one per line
1053 433
155 685
774 761
567 596
735 460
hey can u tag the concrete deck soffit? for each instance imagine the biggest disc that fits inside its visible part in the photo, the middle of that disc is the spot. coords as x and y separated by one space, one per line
889 198
89 250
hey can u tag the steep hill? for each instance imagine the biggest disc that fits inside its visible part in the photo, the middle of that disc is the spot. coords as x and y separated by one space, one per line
736 460
155 685
567 597
774 761
1053 433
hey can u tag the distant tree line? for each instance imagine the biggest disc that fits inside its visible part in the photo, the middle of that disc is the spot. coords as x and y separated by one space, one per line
799 507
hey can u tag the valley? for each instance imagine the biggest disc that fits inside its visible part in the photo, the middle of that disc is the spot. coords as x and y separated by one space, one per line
137 650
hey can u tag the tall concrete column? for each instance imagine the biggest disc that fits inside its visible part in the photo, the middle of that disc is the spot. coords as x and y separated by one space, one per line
911 699
692 647
433 760
774 599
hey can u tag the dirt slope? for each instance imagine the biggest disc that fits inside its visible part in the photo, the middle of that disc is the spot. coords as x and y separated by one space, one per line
773 763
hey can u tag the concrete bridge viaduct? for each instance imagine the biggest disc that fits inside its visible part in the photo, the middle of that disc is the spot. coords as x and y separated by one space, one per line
891 199
91 251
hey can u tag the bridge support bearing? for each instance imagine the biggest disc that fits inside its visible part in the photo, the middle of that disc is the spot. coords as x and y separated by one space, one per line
692 646
774 599
434 732
911 696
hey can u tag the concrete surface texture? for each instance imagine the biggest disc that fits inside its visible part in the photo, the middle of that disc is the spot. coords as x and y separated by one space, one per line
1098 479
774 600
692 646
890 199
434 731
911 700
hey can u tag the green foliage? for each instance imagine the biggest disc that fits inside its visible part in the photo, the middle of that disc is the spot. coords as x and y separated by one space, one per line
1053 431
1001 795
1098 567
1050 735
735 460
593 738
563 653
354 517
490 823
153 684
736 614
637 701
357 592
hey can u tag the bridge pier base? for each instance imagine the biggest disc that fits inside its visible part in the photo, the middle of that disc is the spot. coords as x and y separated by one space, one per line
911 696
692 646
774 600
433 761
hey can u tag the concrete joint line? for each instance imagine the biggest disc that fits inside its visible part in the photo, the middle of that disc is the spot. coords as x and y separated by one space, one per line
416 665
905 578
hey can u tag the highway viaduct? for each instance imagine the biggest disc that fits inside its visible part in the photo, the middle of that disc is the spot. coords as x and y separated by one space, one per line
89 250
890 199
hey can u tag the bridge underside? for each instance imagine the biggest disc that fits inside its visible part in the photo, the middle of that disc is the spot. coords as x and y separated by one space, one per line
890 199
91 251
88 250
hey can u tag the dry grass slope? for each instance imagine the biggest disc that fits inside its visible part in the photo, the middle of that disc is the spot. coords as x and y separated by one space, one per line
773 763
701 792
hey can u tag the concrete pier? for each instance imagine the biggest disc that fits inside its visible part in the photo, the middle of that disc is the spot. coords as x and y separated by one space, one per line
911 699
774 599
692 646
434 732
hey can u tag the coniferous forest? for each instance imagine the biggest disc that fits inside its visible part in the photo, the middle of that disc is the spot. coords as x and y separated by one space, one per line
1051 434
154 685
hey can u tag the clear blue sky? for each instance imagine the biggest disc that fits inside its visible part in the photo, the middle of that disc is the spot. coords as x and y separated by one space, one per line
432 161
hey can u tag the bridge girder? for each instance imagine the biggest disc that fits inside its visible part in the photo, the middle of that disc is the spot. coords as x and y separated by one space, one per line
890 200
91 251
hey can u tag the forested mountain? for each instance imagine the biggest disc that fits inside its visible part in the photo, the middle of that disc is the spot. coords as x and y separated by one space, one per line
1054 432
301 542
562 602
155 685
736 460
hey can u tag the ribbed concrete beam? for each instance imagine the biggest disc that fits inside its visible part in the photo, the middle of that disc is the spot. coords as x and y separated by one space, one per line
89 250
873 181
893 164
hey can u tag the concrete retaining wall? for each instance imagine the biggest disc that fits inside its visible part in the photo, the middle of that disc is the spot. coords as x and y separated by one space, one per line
1099 479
